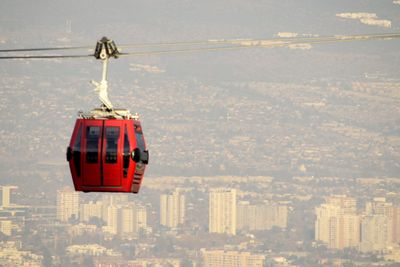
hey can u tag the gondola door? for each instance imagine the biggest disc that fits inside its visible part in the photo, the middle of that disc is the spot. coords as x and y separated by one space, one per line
112 153
93 132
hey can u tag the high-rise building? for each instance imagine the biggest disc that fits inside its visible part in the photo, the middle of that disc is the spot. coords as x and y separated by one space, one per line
6 195
172 209
67 204
396 225
380 225
126 220
119 215
109 200
140 218
112 220
392 212
132 218
348 205
222 211
90 210
379 206
375 233
261 216
337 223
221 258
325 213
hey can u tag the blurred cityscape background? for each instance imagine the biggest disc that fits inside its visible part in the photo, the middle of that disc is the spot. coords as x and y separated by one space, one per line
283 156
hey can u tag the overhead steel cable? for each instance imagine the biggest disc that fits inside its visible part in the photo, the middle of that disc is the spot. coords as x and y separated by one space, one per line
186 50
45 56
230 41
267 43
211 42
336 37
47 49
230 44
343 38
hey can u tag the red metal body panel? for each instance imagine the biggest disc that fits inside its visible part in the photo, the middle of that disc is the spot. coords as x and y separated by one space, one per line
74 147
140 167
99 155
112 172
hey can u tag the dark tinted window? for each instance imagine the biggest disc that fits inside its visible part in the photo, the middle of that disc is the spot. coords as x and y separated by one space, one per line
76 152
92 143
112 136
126 152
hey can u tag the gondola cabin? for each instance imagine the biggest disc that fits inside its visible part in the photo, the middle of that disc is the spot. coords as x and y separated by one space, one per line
107 155
107 151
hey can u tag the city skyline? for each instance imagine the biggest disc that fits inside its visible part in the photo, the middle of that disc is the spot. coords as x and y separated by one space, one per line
368 228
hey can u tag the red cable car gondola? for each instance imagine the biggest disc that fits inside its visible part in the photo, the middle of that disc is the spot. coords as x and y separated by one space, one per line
107 151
